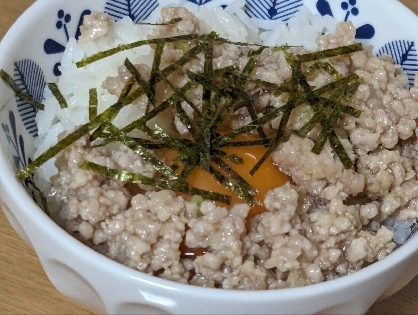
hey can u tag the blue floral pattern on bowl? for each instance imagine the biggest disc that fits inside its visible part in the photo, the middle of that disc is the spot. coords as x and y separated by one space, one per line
137 10
53 47
273 9
21 159
404 52
365 31
30 77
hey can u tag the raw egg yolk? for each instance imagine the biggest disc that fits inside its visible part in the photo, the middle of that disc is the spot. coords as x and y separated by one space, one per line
266 178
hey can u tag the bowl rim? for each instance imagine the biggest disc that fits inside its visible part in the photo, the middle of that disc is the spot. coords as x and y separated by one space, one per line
20 199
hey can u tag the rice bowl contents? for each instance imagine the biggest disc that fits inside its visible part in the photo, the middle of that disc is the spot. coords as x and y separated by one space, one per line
325 212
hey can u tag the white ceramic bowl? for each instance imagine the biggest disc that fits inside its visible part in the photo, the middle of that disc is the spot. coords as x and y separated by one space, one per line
32 49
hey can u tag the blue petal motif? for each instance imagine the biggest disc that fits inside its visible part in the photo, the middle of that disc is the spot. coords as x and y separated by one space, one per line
199 2
137 10
16 141
53 47
20 160
405 54
29 77
324 8
273 9
365 31
16 158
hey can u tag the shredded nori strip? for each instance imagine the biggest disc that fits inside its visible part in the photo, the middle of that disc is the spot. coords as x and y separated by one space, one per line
158 145
23 96
340 150
93 103
273 143
315 120
284 88
351 111
328 53
257 51
180 94
155 71
236 183
162 183
182 60
55 149
127 88
205 81
231 157
223 113
326 66
204 136
249 143
141 151
190 162
120 48
185 119
265 84
327 129
160 108
171 22
334 102
248 69
137 76
236 186
124 93
224 139
337 84
287 110
184 47
99 133
329 123
58 95
319 108
174 143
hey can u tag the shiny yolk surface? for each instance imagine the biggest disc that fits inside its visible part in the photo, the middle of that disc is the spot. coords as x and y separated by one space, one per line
266 178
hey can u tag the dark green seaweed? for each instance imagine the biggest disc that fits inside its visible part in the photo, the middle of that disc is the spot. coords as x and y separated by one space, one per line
235 182
162 183
24 96
58 95
204 136
93 103
171 22
334 52
121 48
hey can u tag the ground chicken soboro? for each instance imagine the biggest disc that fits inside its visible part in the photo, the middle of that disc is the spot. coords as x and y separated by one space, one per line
314 229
